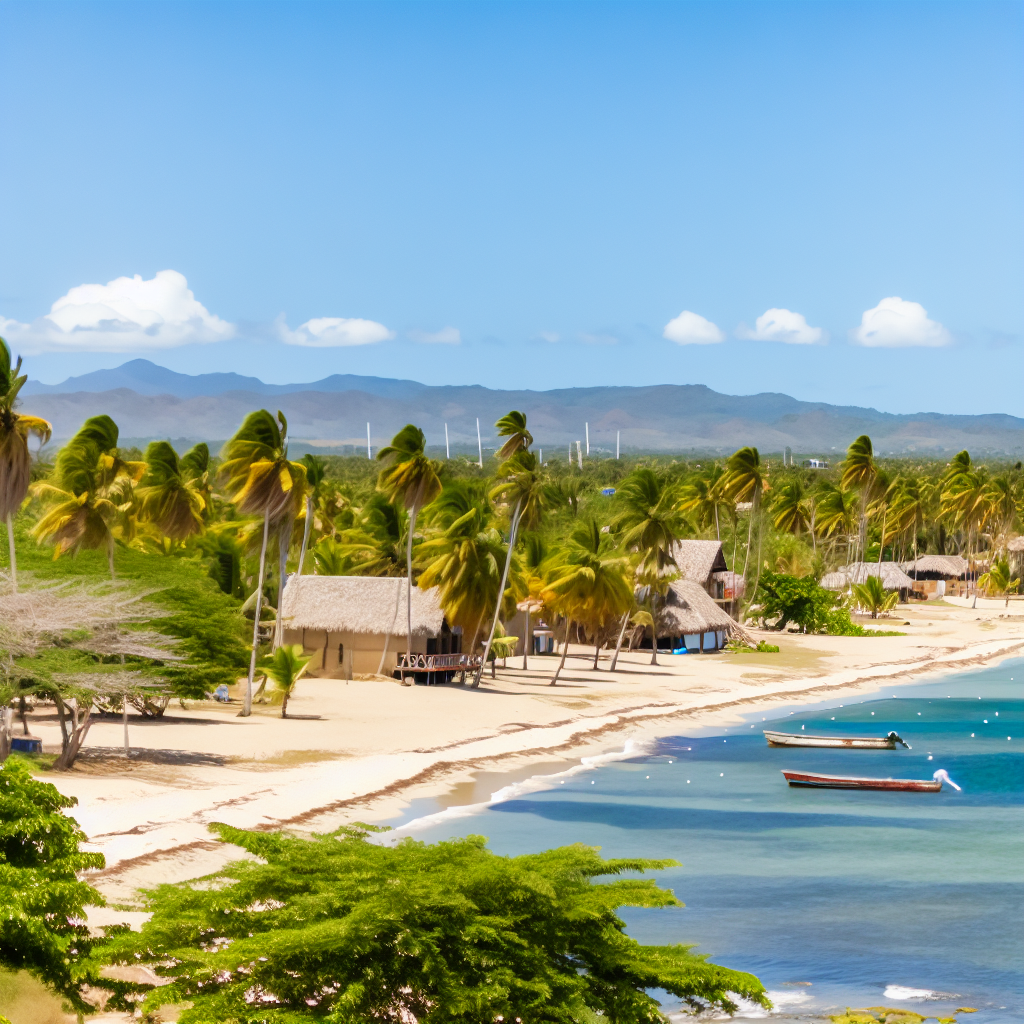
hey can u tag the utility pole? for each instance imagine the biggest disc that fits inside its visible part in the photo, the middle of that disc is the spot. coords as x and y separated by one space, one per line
618 434
368 455
479 445
447 450
579 454
586 426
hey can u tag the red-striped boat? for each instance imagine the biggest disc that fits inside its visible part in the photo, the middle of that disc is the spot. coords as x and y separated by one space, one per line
854 782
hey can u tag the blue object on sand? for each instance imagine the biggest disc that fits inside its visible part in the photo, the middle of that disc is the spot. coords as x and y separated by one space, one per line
680 650
27 744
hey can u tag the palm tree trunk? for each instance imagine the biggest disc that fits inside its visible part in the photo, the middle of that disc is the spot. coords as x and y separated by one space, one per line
305 533
618 645
597 653
110 553
10 548
247 705
387 635
124 722
718 530
284 703
881 547
750 535
654 646
284 535
501 589
408 588
565 648
526 641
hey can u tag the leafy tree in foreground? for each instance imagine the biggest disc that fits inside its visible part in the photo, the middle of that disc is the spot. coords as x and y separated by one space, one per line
871 595
795 599
342 929
42 902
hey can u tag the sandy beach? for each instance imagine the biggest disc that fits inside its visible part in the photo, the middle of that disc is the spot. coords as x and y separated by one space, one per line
379 745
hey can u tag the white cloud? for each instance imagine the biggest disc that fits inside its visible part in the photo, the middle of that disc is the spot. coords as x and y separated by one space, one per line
692 329
896 323
334 332
782 325
445 336
124 315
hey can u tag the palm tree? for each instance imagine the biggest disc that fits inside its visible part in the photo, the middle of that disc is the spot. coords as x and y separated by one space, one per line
871 595
703 496
649 520
285 667
84 492
836 513
998 579
259 478
588 584
859 472
174 505
15 459
410 477
744 482
534 557
316 469
463 558
791 507
375 544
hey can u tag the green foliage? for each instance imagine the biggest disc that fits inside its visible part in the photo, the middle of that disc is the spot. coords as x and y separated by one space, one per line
42 902
872 596
285 667
839 623
347 930
798 600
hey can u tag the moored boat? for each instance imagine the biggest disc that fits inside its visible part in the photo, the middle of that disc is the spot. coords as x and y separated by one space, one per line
788 739
815 780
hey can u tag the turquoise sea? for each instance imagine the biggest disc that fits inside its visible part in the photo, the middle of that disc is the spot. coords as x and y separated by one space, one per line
832 898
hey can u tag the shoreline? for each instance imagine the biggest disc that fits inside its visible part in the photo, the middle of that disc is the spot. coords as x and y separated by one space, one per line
150 820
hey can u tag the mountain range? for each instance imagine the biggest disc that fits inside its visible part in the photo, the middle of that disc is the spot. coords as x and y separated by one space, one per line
149 401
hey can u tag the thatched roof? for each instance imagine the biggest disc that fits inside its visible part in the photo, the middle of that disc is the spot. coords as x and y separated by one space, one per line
688 609
1017 544
944 565
359 604
893 577
698 559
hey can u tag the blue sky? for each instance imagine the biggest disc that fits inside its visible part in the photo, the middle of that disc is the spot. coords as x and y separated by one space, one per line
539 195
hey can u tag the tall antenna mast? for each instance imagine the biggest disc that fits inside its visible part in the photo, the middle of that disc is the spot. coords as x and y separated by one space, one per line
368 455
479 445
447 450
618 434
586 427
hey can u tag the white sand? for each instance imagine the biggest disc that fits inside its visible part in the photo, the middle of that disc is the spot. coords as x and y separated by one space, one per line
379 744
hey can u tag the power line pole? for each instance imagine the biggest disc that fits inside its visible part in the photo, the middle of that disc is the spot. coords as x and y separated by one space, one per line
586 427
479 445
368 455
447 450
618 434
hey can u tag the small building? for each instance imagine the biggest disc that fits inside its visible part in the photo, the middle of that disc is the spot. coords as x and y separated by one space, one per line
814 464
892 575
936 576
356 625
1015 555
703 562
690 619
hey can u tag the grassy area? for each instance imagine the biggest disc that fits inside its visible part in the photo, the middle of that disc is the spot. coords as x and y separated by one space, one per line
23 1000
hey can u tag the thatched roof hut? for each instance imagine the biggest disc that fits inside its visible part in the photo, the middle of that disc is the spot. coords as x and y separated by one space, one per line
689 610
1016 545
946 567
698 559
892 576
359 604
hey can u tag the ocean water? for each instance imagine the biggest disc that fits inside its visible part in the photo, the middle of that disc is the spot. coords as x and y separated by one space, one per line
832 898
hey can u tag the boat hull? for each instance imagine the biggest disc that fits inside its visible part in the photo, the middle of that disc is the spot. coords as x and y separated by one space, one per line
788 739
815 781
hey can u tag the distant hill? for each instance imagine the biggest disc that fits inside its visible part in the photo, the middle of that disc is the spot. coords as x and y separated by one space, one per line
149 401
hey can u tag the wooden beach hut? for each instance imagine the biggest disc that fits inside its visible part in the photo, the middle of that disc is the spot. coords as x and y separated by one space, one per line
690 619
703 562
356 625
892 575
936 576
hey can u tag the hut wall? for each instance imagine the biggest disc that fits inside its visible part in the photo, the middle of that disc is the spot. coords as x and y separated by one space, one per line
344 655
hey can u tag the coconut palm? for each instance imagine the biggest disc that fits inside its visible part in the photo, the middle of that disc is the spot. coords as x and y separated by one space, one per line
649 520
872 596
744 482
790 507
375 544
316 469
859 472
521 486
998 580
567 493
907 509
173 505
84 494
588 582
535 554
836 513
285 667
15 459
703 498
411 478
260 479
194 466
463 558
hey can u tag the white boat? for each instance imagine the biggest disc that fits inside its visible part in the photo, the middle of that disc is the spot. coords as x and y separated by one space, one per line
800 739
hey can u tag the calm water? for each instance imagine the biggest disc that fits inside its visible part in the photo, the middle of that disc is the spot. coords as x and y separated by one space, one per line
863 895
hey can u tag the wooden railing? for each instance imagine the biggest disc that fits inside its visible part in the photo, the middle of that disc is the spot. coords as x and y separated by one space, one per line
438 662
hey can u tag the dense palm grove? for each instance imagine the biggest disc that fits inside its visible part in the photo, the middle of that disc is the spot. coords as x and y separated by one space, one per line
585 544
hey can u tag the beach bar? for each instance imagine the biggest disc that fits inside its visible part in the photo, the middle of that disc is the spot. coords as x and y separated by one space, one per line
356 625
690 619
